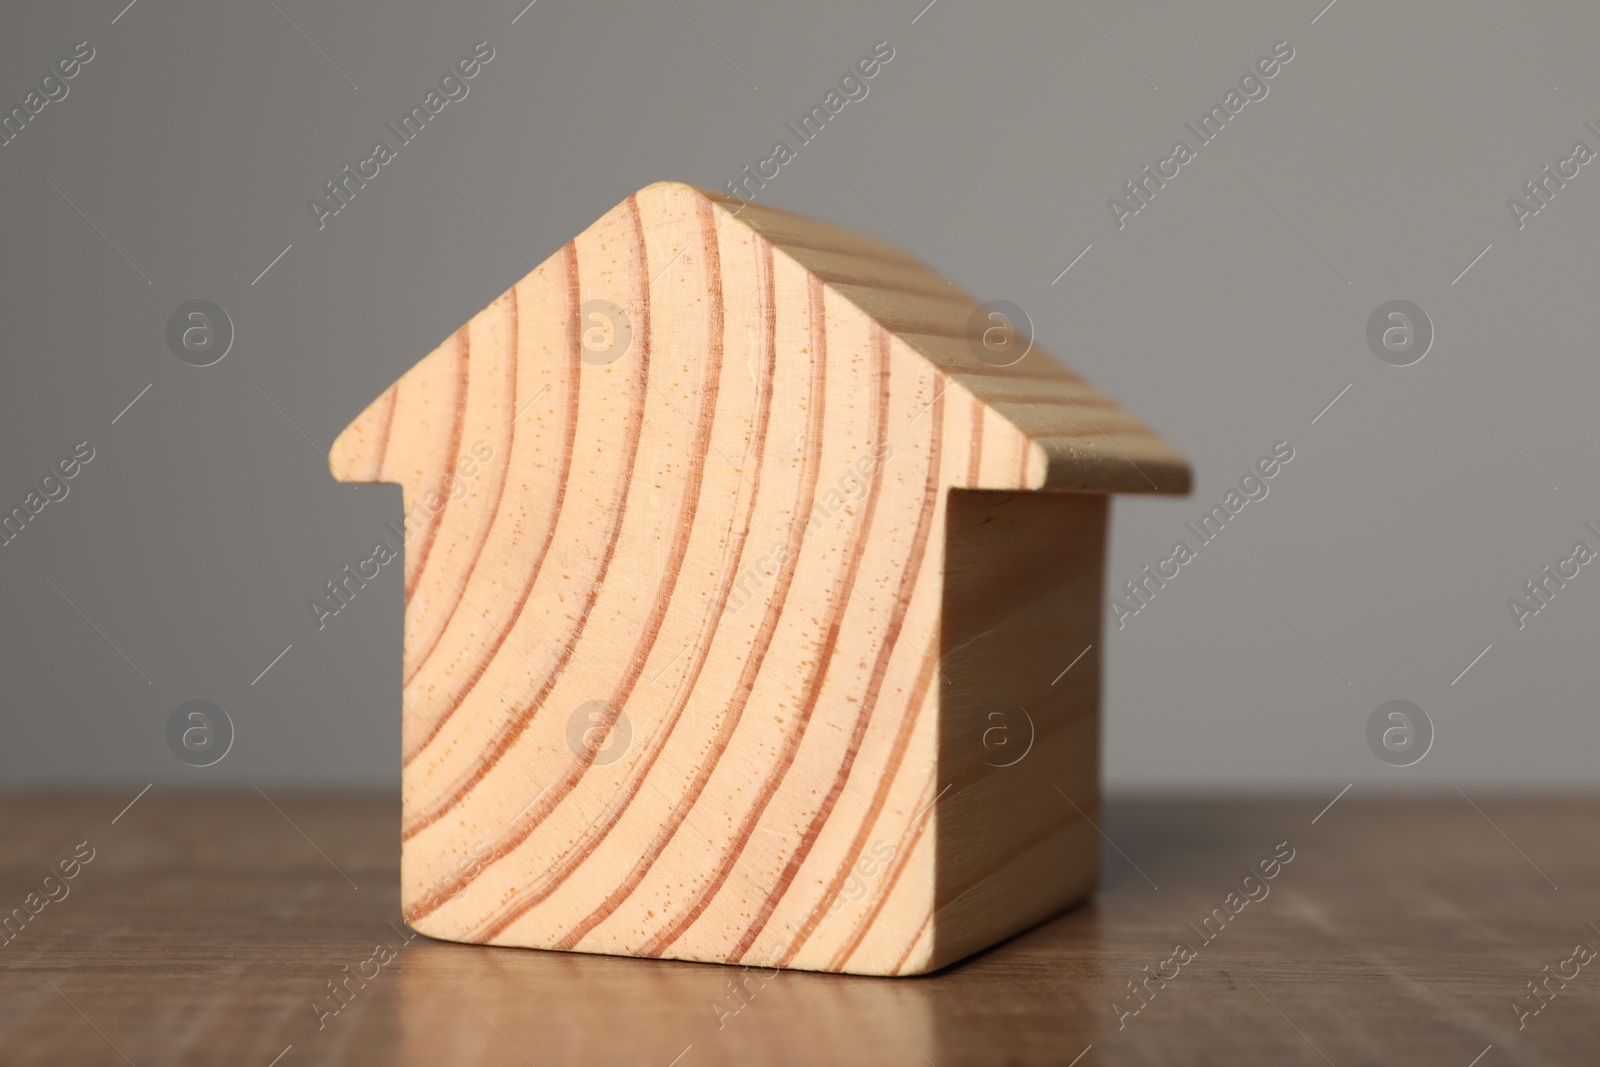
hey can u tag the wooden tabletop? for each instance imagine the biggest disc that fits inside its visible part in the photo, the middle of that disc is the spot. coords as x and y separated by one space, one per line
206 929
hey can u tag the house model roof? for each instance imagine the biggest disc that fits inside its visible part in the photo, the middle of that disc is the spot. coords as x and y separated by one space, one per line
1062 432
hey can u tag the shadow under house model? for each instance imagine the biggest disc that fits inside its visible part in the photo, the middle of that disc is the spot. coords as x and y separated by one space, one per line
739 590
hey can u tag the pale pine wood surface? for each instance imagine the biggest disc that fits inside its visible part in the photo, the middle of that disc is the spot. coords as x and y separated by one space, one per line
1401 933
1023 580
731 541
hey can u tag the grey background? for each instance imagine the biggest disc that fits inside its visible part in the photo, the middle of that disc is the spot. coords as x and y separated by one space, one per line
991 142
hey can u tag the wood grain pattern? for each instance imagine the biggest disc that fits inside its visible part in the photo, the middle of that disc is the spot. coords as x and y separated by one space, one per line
206 929
678 576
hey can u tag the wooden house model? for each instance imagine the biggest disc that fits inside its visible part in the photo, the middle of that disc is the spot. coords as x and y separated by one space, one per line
742 563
